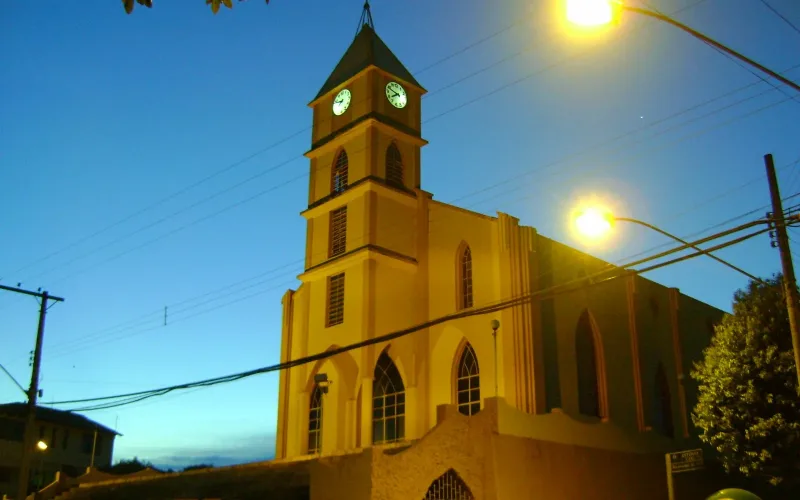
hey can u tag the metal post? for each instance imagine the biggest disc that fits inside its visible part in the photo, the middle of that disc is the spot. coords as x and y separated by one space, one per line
94 447
789 281
495 325
670 479
33 393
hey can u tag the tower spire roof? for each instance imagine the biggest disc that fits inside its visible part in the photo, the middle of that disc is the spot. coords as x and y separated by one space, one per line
366 50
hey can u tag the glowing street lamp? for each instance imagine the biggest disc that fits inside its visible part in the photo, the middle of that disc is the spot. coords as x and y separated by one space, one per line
590 12
595 223
594 13
41 445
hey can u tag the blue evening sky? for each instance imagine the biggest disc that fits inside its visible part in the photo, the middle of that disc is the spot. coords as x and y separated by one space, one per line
110 122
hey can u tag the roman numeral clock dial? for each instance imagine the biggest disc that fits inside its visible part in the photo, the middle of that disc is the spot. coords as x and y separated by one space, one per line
396 95
341 102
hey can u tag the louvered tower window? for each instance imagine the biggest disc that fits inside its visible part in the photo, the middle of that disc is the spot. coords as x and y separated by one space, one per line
394 166
338 231
336 299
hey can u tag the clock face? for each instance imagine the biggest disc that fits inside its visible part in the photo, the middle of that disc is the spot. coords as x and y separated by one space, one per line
341 102
396 95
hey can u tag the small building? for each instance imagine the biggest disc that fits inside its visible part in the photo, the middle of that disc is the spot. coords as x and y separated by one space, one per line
70 439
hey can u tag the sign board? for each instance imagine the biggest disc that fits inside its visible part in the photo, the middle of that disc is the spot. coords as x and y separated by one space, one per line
685 461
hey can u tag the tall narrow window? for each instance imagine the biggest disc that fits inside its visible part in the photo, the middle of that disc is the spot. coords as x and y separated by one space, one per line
339 174
394 166
448 486
388 402
589 397
468 386
66 439
662 400
315 421
465 278
338 231
336 299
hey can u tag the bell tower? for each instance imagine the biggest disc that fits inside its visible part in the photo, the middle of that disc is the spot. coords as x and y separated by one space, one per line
366 226
365 151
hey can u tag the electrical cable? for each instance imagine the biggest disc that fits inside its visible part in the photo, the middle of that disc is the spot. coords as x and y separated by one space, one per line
262 193
572 56
269 147
503 304
781 16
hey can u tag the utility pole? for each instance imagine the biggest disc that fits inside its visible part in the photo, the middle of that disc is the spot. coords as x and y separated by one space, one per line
789 280
33 390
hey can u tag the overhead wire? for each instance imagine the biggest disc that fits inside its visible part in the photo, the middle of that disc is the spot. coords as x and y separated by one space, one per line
570 286
269 147
74 347
163 219
781 16
302 176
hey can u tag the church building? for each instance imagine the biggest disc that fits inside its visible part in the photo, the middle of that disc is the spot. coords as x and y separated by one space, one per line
555 395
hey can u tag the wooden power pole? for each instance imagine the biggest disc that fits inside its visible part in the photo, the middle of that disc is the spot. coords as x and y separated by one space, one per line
33 390
789 279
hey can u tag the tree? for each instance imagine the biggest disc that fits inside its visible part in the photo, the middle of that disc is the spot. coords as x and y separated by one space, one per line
748 405
123 467
197 467
215 4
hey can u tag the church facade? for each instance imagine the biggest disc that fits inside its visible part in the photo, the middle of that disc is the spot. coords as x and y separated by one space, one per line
582 380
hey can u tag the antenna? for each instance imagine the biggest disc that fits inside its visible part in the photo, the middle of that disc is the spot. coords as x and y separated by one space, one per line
366 18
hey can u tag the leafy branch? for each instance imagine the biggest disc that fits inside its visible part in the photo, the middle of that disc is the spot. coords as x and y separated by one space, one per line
215 4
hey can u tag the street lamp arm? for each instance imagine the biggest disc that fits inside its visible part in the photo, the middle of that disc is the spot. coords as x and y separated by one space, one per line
686 243
710 41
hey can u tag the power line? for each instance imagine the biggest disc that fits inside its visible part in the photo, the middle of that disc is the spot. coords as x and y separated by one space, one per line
229 167
781 16
272 188
16 382
250 156
571 286
72 346
78 344
503 304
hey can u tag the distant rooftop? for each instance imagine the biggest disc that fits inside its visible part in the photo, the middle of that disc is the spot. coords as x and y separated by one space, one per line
53 416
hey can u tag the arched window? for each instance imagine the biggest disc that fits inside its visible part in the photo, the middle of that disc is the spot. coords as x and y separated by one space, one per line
315 421
394 166
590 366
468 387
339 173
388 402
662 404
464 278
450 487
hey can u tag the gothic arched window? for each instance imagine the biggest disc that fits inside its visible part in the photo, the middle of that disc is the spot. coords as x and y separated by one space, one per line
448 486
315 421
394 166
464 274
662 401
590 366
388 402
339 173
468 387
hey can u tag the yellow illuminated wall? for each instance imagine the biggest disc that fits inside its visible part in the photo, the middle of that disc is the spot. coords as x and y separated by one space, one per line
402 267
